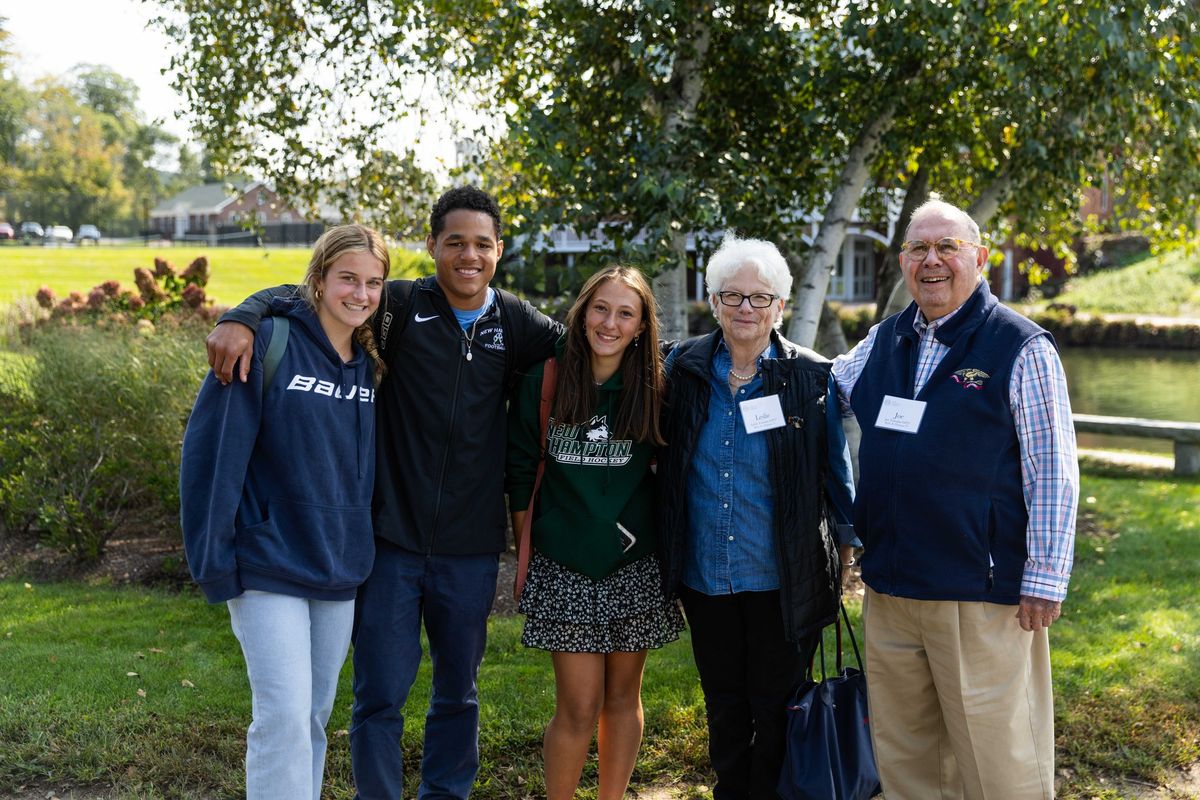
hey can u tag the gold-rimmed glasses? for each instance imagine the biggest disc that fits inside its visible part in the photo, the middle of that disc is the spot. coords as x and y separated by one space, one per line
946 248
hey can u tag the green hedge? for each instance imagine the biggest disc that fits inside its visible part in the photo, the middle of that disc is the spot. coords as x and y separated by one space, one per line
92 421
1087 330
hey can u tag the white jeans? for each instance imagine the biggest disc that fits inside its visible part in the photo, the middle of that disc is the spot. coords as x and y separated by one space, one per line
294 650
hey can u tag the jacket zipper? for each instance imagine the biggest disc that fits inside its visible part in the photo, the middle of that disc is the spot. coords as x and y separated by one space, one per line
437 506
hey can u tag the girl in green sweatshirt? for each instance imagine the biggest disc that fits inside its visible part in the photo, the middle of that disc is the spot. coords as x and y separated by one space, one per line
593 596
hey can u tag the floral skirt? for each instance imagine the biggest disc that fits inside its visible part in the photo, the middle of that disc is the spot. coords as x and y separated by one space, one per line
567 612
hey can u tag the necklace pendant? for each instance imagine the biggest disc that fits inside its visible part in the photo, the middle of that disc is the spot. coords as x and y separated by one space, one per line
469 355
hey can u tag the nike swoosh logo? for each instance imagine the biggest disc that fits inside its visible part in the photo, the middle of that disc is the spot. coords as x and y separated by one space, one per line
419 318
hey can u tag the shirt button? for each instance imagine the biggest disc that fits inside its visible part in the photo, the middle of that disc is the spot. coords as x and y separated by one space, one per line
726 474
729 413
727 443
741 391
724 505
731 538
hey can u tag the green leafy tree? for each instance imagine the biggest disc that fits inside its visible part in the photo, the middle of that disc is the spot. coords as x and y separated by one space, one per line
603 106
1072 97
14 104
114 98
646 121
71 174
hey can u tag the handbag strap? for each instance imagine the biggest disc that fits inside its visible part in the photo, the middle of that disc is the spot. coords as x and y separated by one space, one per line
853 640
843 617
525 535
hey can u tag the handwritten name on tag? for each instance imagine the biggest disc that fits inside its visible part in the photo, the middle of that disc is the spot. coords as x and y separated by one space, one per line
899 414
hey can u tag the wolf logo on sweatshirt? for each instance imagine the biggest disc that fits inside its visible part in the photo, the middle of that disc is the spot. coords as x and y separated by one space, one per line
587 444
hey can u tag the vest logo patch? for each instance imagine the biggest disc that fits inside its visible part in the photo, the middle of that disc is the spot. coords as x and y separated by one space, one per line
492 338
970 378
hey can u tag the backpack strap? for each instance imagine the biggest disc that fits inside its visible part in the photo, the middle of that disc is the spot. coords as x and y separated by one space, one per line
280 327
512 313
393 321
525 535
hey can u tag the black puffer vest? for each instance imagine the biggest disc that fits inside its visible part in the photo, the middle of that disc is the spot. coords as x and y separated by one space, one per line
806 549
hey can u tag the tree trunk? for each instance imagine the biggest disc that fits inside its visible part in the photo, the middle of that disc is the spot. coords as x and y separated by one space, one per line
831 339
814 279
670 291
989 200
679 108
889 274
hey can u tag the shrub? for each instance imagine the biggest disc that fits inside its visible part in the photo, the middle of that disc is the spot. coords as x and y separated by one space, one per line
160 292
93 430
856 320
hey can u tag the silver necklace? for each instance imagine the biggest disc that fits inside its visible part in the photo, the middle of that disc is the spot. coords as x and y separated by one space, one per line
471 338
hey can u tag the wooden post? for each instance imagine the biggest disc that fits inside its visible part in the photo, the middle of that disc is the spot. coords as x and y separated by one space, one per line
1187 458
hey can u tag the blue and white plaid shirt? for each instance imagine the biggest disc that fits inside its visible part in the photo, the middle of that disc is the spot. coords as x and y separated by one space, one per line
1041 409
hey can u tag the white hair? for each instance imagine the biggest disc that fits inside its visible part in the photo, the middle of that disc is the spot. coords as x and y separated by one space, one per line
948 210
735 253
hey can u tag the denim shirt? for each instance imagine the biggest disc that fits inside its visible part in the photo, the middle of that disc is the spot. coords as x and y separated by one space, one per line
731 533
731 504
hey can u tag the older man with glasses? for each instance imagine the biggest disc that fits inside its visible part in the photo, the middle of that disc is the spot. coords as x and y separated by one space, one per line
966 507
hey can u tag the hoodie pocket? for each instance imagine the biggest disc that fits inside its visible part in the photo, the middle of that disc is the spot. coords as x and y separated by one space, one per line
329 547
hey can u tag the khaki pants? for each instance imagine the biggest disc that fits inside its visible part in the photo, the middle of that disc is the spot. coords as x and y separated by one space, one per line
960 700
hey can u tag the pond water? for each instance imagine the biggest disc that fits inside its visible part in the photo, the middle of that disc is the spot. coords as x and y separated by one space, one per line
1151 384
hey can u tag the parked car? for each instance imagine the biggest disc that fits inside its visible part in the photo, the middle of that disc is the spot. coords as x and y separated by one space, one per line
88 233
30 231
6 231
58 234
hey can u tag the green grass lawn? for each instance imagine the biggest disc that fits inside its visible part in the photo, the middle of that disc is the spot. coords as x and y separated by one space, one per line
146 690
236 271
1165 285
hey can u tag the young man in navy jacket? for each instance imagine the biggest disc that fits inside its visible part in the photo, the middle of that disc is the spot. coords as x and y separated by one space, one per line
450 342
966 507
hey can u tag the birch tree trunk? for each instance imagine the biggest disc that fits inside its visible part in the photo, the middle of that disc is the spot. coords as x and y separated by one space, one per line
679 108
989 200
814 280
670 292
889 274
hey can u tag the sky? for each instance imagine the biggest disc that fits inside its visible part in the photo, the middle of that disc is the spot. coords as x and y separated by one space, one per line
49 37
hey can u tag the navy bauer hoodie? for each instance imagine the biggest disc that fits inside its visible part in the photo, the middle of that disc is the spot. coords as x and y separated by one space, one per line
275 486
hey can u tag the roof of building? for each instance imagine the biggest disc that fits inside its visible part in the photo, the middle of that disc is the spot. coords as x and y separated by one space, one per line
207 198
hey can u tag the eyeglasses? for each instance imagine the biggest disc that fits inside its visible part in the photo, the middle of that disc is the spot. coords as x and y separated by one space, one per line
946 248
757 300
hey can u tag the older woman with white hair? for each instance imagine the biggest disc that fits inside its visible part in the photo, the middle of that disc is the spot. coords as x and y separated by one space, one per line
754 509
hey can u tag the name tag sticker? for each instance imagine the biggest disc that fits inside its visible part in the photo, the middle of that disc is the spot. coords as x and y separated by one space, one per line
762 413
899 414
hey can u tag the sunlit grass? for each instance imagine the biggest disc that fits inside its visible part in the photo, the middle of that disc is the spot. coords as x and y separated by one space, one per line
1125 657
1127 649
236 271
1167 285
141 688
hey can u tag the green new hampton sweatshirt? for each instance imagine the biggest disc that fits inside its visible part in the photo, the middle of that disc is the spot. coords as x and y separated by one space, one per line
594 511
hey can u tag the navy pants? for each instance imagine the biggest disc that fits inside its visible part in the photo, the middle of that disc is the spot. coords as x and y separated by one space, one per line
748 673
453 595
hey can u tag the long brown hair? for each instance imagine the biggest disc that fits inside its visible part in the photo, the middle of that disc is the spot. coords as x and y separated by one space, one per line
334 243
641 365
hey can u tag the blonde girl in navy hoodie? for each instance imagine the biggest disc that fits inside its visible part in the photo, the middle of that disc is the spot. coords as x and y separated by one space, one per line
593 596
275 489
